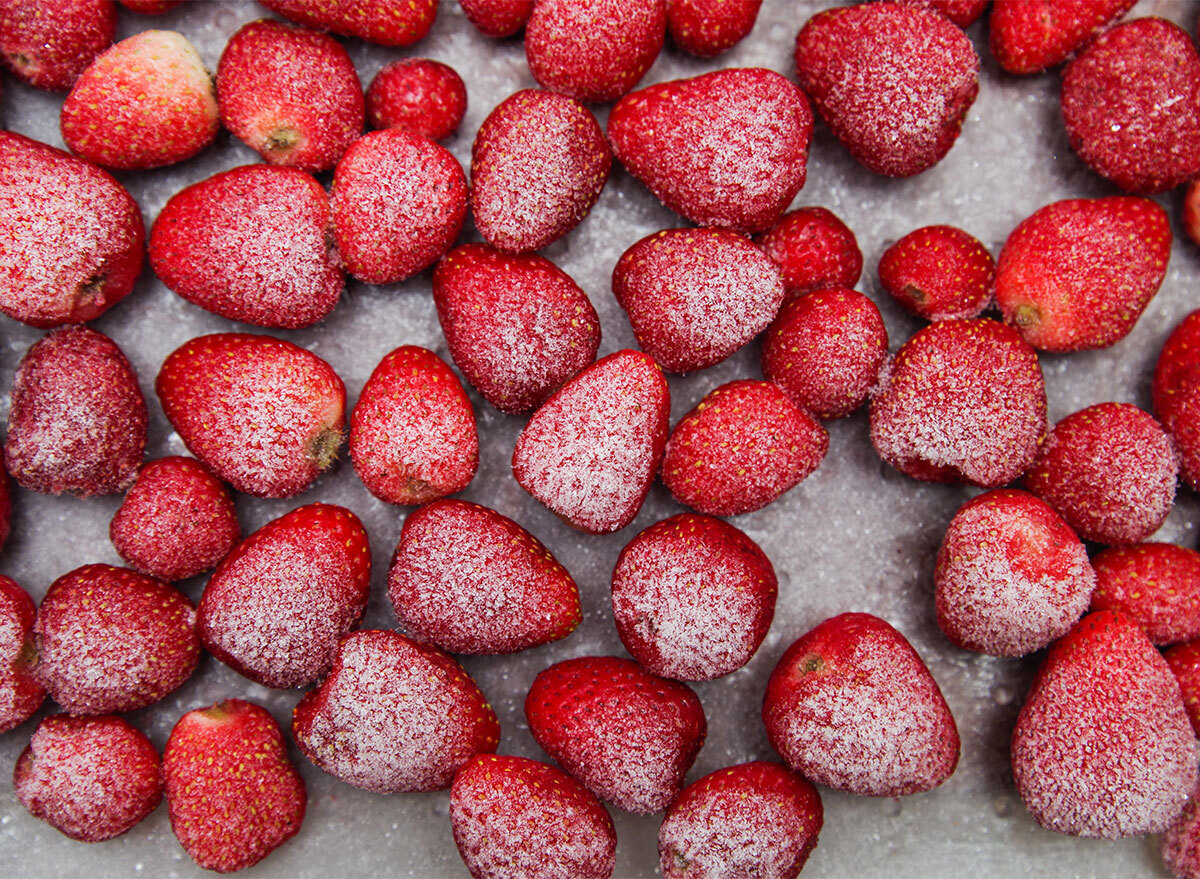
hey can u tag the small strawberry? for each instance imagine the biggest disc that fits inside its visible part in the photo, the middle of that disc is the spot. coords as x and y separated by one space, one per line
21 693
144 103
1033 35
963 13
743 445
538 165
629 736
394 715
851 705
233 795
1156 585
1176 394
425 96
1184 661
385 22
512 816
265 415
1103 746
49 45
939 273
707 28
1181 841
497 18
814 249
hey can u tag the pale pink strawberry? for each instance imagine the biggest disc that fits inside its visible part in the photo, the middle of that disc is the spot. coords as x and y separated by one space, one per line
1176 394
814 249
425 96
49 44
497 18
21 693
1033 35
378 21
939 273
709 27
1156 585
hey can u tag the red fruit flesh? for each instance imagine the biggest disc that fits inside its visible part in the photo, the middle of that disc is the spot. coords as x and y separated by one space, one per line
814 249
1156 585
425 96
21 693
939 273
48 46
1033 35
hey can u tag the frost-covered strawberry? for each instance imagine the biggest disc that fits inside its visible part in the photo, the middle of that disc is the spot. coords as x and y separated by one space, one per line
1176 394
1184 661
425 96
1181 841
963 13
378 21
1032 35
709 27
814 249
1156 585
21 693
49 45
497 18
939 273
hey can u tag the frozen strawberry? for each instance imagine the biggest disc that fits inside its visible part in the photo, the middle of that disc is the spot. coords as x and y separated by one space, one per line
517 325
394 715
1184 661
743 445
629 736
425 96
939 273
591 451
538 164
512 816
250 244
961 401
49 44
113 640
144 103
825 351
1191 211
963 13
90 778
1181 841
1176 394
399 201
1156 585
744 179
497 18
1011 575
71 236
814 249
1033 35
893 82
78 421
1110 471
693 598
851 705
150 7
1103 746
291 94
378 21
21 693
754 819
233 795
412 432
265 415
709 27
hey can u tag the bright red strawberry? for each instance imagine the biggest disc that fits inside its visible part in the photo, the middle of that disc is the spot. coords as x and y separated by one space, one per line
71 236
469 580
78 420
538 164
1033 35
1156 585
1181 841
591 451
427 97
693 598
1011 575
21 693
517 325
961 401
1191 211
893 82
153 89
709 27
150 7
49 44
963 13
497 18
394 715
1184 661
412 431
113 640
1103 746
399 201
851 705
378 21
814 249
250 244
939 273
744 179
265 415
512 816
277 606
754 819
291 94
629 736
1176 394
233 794
825 351
743 445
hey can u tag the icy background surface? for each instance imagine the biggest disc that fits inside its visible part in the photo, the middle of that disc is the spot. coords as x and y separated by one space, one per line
854 536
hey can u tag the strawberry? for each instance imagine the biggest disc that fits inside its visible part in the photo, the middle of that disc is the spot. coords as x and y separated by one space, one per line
743 445
291 94
961 401
825 351
1156 585
71 236
378 21
695 296
150 7
629 736
150 90
177 520
1011 575
963 13
21 694
851 705
469 580
1103 746
497 18
1034 35
706 28
814 249
250 244
394 715
1191 211
538 165
1176 394
591 451
693 598
113 640
1110 471
233 795
399 201
265 415
49 45
893 82
517 325
78 420
90 778
1180 844
1184 661
425 96
515 816
744 179
754 819
276 607
939 273
412 432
